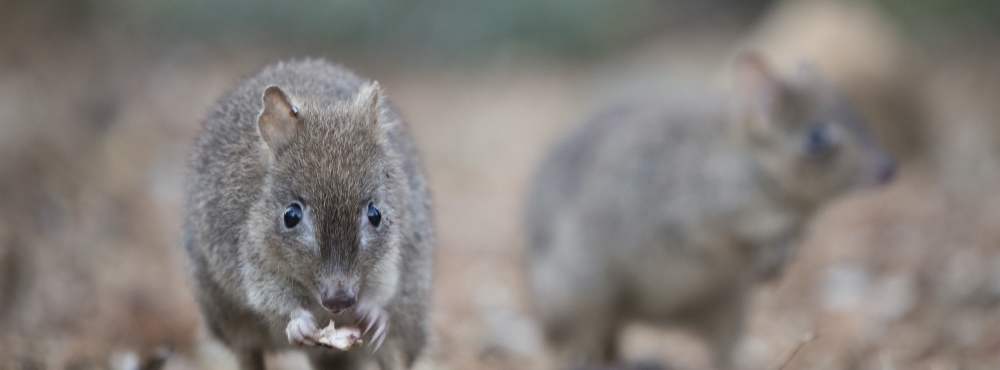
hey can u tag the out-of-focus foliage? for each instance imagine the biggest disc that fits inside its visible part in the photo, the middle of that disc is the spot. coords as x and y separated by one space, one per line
439 30
433 30
450 28
935 20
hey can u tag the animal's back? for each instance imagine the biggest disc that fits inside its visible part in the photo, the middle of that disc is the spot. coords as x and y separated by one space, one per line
627 218
636 169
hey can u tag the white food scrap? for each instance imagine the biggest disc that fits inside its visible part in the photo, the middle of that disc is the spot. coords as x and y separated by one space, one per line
343 338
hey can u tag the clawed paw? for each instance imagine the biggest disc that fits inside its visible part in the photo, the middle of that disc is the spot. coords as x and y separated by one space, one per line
376 327
301 328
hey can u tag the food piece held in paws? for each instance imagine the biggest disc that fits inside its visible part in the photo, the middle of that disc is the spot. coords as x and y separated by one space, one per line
343 339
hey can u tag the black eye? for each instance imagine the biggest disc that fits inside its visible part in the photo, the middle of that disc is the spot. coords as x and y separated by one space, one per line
374 216
293 215
819 141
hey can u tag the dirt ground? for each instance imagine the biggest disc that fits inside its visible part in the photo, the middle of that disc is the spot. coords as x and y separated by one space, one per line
92 152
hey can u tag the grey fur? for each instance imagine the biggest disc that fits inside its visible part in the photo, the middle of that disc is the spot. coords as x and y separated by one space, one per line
251 275
665 211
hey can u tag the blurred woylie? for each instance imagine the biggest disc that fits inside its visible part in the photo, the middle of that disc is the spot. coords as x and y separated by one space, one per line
666 210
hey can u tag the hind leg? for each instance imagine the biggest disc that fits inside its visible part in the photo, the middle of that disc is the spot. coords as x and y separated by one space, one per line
721 326
578 312
575 296
584 342
390 357
331 360
250 359
595 344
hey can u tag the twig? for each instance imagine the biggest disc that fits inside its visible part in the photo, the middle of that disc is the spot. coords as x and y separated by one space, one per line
795 351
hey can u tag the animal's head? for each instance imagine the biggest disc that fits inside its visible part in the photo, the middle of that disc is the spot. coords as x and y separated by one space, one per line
809 143
328 217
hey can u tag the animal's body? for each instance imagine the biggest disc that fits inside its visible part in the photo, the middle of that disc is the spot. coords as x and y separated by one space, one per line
306 202
666 211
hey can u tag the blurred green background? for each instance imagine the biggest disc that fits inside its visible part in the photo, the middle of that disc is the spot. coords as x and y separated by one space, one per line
437 31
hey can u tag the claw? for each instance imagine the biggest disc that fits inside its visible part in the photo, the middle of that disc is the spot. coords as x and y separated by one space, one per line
376 326
300 330
379 336
371 319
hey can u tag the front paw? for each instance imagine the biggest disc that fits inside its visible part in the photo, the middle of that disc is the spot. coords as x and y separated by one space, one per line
301 329
376 323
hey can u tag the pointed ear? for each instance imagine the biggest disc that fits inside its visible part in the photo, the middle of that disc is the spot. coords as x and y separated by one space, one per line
762 97
368 99
278 120
811 80
809 71
756 85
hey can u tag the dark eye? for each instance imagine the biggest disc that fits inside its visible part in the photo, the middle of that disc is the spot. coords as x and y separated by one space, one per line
374 216
293 215
819 140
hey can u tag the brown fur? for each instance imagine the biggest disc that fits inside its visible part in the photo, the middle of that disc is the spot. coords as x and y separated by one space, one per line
333 143
666 211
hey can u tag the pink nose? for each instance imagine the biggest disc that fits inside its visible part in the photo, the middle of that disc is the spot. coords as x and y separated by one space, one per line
340 301
886 172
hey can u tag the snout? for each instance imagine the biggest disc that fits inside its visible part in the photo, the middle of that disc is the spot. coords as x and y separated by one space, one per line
339 300
885 171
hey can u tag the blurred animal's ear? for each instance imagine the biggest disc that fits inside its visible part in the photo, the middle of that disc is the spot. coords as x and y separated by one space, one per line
278 121
367 101
762 98
813 83
809 73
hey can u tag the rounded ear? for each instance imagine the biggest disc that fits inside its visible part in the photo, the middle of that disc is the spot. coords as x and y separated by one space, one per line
762 97
811 80
810 71
755 83
367 101
278 120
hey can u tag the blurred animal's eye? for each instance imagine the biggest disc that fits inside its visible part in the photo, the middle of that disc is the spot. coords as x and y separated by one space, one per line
293 215
374 216
819 140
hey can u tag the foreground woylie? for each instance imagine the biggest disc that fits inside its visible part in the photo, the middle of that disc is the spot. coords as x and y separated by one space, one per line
306 204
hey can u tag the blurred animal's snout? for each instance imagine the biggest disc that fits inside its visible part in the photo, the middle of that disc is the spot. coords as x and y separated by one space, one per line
338 299
885 171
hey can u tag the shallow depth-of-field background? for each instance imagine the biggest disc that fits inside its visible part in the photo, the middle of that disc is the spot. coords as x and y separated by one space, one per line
99 101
